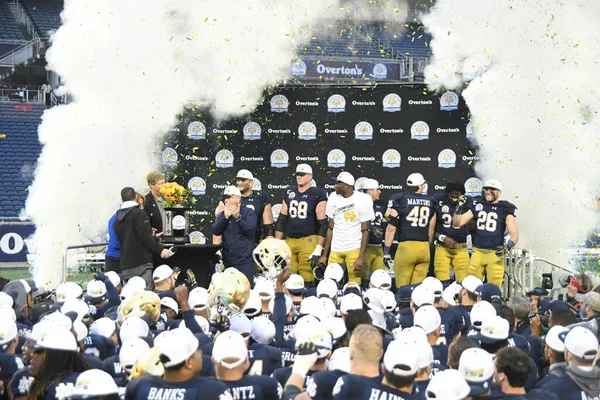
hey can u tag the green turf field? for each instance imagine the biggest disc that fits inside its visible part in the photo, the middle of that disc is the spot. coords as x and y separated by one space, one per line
13 273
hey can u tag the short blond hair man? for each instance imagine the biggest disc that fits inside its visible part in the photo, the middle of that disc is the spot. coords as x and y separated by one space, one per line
154 202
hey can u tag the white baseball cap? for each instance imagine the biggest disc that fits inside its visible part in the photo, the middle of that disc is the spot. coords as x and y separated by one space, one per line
129 290
471 283
493 184
41 329
372 298
265 289
253 305
326 308
316 334
401 358
340 360
57 339
493 329
304 169
198 298
349 302
335 326
138 282
262 330
295 284
553 340
133 327
450 294
334 271
308 304
581 342
289 303
381 279
328 288
131 351
96 290
7 313
104 327
449 384
388 301
114 278
241 324
94 383
230 345
477 367
81 330
80 307
6 300
170 303
304 322
202 323
428 318
415 179
244 174
416 337
232 191
68 290
8 331
345 177
161 273
59 320
378 319
481 311
434 284
370 184
422 295
176 346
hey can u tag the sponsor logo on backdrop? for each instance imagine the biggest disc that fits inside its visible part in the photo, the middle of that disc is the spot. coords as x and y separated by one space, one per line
313 183
391 159
420 102
393 130
364 158
363 103
279 130
169 157
196 130
307 131
301 158
392 103
382 186
279 103
336 159
252 131
363 131
447 159
380 71
299 68
276 209
440 187
336 103
418 159
323 68
224 159
198 212
218 186
342 131
449 101
280 159
419 130
425 188
225 131
197 186
197 237
284 186
470 131
253 159
256 184
447 130
196 158
307 103
360 183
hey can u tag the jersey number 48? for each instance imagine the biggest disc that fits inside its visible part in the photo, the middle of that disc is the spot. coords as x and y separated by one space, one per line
418 216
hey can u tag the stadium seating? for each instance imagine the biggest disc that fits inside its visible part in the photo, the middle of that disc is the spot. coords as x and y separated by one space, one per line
412 42
45 14
9 28
19 152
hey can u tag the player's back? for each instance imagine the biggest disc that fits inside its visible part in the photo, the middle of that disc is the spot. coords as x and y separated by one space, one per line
357 387
322 384
156 388
414 214
254 387
264 359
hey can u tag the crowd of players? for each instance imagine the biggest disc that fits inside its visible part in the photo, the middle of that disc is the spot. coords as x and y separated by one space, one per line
330 315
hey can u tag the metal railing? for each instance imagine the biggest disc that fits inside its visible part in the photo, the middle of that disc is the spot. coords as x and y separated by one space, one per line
24 19
66 251
21 54
22 95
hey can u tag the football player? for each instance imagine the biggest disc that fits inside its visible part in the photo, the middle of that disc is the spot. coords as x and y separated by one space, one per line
374 253
451 250
492 216
302 219
414 214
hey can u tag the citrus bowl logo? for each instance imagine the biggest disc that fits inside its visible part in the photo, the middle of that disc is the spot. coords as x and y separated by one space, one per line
380 71
391 159
336 103
276 209
449 101
169 156
299 68
179 222
224 159
197 185
470 131
196 130
197 237
473 187
392 103
360 183
307 131
279 159
252 131
336 159
419 130
447 159
256 185
313 183
279 103
425 188
363 131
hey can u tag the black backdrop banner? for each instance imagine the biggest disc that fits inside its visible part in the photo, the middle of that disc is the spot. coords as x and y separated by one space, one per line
384 132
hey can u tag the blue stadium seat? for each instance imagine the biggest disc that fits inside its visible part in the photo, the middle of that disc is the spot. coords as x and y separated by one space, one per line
45 15
9 28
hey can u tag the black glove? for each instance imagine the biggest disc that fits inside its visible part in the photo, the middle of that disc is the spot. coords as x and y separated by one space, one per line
176 272
221 323
190 280
388 261
319 271
377 231
100 277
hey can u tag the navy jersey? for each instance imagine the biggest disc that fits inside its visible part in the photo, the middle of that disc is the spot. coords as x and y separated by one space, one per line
414 214
444 210
465 316
322 384
440 357
302 211
156 388
364 388
420 387
112 366
9 364
99 346
67 381
283 374
490 222
257 201
264 359
449 325
21 381
254 387
377 230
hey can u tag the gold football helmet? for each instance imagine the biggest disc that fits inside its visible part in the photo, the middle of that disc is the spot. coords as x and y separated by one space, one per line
272 255
140 304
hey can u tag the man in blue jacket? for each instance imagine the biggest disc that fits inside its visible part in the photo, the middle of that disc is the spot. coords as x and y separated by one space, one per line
237 226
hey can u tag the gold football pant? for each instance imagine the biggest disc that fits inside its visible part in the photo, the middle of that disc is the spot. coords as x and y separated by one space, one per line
411 262
301 249
373 260
487 262
347 258
446 259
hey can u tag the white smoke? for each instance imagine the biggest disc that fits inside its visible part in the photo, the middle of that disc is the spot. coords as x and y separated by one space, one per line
130 68
534 97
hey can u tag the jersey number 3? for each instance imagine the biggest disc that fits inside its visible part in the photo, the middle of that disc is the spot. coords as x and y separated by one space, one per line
418 216
298 209
487 221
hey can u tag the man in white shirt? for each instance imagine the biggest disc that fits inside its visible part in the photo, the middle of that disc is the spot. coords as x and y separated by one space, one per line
350 214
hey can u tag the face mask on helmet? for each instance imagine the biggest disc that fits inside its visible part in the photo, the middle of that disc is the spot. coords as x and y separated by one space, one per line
271 256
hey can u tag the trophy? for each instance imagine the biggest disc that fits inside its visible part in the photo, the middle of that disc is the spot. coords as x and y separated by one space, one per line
176 225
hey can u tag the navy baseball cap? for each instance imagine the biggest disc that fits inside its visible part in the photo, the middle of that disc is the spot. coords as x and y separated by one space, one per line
404 292
490 293
538 291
